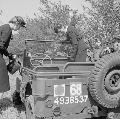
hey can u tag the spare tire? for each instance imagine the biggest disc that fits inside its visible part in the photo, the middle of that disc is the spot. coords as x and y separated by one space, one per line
104 81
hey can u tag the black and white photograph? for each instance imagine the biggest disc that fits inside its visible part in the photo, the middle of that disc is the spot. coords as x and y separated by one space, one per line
59 59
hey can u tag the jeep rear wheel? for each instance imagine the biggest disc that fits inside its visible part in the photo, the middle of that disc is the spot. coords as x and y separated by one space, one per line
104 81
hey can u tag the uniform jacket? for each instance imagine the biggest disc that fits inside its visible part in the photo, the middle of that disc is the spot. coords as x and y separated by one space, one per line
76 40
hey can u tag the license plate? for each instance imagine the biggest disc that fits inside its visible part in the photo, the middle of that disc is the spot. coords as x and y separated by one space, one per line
70 100
75 94
75 89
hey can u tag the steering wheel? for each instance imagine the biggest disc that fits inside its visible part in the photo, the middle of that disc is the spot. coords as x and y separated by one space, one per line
41 62
38 54
47 56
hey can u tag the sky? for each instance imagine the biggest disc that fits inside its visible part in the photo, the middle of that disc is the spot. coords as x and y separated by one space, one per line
25 8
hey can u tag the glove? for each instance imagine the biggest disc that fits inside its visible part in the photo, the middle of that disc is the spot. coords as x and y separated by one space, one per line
112 50
11 56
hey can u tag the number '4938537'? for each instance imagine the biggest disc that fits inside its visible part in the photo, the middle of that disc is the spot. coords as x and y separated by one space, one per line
71 99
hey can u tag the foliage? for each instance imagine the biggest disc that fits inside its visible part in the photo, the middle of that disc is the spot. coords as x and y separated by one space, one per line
41 27
102 22
56 12
35 29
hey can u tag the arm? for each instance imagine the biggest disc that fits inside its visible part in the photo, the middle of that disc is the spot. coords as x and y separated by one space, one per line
5 37
4 51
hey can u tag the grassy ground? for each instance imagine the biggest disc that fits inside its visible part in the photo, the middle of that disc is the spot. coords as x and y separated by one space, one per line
7 109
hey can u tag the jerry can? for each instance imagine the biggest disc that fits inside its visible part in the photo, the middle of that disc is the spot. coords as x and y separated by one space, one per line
13 66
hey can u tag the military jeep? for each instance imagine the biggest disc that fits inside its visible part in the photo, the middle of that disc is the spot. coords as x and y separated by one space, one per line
41 52
72 90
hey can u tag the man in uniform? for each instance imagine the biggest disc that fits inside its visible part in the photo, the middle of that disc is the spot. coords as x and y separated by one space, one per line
79 51
5 36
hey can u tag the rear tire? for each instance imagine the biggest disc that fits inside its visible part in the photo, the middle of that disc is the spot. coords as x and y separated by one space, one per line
98 81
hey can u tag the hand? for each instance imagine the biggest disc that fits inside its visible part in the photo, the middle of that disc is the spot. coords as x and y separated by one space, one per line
11 56
70 59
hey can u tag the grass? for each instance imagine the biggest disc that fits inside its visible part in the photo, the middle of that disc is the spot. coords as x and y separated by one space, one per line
7 109
5 103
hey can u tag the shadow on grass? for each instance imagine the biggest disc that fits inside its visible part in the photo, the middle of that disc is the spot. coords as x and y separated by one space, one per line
20 107
17 103
5 103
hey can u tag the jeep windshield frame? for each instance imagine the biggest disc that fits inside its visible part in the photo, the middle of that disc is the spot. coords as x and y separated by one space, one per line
37 46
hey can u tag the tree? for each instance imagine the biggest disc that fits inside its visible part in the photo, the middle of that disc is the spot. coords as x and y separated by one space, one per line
33 30
41 27
102 21
1 12
55 12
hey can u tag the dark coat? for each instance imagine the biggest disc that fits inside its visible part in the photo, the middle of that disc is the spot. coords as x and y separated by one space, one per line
80 47
4 78
5 36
